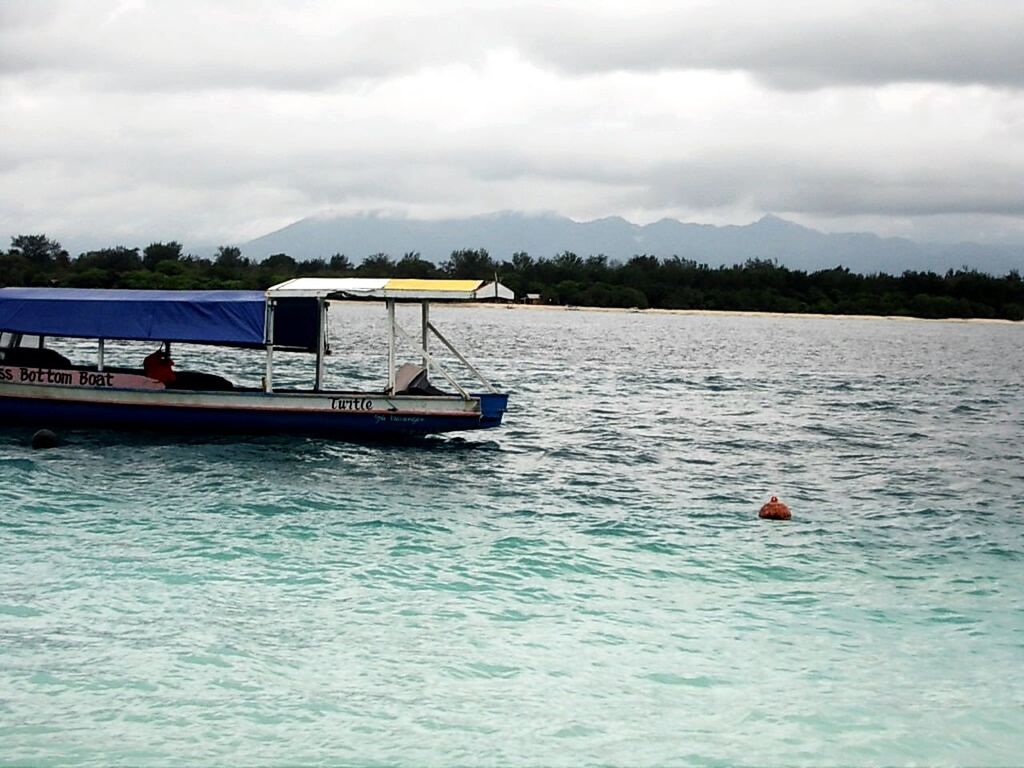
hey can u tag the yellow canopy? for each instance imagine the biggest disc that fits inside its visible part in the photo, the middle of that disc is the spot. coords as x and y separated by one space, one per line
407 289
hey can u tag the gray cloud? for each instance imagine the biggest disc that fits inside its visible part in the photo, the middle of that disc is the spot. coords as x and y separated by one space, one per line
314 46
773 182
195 46
802 183
219 121
842 44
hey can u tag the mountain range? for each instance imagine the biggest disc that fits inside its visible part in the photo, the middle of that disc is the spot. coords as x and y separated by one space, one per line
502 234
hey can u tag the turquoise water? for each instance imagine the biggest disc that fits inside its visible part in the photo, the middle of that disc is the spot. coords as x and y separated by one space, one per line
588 584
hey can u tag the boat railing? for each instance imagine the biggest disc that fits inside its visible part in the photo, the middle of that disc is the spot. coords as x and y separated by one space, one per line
461 357
430 361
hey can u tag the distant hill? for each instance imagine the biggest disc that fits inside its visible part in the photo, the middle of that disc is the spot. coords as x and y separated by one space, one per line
503 234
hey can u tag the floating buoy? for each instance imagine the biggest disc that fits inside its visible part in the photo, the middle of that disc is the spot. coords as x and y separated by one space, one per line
44 438
774 510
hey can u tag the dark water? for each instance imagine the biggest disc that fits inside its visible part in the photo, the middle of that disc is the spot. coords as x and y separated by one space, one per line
588 584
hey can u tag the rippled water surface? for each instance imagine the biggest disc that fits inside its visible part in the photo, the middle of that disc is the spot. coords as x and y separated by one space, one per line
588 584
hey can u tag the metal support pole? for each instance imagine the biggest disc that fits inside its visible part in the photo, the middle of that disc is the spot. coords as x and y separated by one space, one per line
268 377
391 346
425 332
99 357
321 335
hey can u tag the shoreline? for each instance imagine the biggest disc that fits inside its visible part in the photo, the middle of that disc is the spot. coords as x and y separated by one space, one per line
737 313
707 312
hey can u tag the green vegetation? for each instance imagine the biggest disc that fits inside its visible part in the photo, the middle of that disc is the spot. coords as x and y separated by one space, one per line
642 282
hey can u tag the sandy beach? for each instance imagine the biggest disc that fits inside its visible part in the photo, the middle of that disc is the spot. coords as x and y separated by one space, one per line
712 313
729 313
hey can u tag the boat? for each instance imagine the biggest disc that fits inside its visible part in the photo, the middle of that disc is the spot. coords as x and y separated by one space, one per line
42 388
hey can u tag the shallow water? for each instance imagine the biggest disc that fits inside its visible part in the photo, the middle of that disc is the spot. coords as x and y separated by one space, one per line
588 584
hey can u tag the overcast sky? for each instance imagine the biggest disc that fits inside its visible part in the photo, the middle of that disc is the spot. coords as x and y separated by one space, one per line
209 121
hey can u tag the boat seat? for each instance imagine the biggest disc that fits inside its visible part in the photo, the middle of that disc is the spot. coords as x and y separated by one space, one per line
411 379
35 357
199 380
182 380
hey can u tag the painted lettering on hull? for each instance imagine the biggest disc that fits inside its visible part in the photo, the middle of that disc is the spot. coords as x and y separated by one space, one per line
399 419
351 404
65 378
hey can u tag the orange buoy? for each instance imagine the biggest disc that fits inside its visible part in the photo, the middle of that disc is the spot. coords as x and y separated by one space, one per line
774 510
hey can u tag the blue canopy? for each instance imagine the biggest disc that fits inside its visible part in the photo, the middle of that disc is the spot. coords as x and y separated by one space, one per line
198 317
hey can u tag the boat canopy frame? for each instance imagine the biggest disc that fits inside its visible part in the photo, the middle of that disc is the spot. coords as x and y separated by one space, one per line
290 316
391 291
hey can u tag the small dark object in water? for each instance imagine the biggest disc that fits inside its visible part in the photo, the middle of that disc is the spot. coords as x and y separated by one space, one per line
774 510
44 438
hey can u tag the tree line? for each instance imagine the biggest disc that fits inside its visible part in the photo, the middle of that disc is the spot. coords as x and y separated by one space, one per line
642 282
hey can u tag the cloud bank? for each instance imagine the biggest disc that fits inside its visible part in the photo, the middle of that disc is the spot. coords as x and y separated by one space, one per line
216 122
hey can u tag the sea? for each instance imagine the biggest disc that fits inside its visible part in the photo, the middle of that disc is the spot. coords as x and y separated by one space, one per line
588 584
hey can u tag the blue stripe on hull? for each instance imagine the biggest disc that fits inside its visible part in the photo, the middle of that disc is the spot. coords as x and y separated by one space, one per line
56 413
